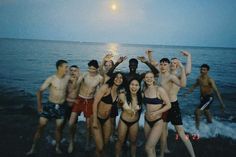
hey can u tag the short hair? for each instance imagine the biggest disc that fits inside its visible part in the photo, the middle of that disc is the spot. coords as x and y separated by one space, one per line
93 63
205 66
173 58
165 60
74 66
60 62
133 60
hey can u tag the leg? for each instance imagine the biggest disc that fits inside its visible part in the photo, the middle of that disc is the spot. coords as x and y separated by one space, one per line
133 132
89 132
98 138
42 123
107 127
122 130
197 118
58 134
72 130
153 138
164 135
180 130
146 129
208 116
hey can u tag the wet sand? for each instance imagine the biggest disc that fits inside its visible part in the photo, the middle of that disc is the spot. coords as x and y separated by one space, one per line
19 120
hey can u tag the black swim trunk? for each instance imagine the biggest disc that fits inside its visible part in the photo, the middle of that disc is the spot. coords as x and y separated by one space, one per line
205 102
174 114
68 110
52 110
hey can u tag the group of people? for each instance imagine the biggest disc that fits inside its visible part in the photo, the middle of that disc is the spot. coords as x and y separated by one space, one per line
100 93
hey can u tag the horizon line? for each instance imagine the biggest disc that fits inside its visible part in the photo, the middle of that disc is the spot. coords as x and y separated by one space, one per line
141 44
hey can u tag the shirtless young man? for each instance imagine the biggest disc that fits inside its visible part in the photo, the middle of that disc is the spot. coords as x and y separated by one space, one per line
89 83
207 86
72 90
55 107
168 82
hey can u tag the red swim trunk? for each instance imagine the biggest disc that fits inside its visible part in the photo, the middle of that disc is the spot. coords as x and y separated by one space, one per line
83 105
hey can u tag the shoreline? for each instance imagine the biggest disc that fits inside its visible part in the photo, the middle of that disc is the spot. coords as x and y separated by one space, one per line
19 120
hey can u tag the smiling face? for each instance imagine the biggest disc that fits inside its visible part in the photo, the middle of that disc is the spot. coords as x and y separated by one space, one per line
134 86
118 79
149 78
92 70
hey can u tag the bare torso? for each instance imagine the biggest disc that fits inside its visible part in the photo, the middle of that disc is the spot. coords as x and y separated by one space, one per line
89 85
57 88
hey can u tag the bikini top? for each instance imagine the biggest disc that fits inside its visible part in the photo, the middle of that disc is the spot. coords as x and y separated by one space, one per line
154 101
108 99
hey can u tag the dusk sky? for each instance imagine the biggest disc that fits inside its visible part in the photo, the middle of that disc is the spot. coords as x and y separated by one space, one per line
165 22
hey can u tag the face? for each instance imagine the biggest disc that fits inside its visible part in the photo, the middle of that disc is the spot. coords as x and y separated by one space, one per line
118 79
108 65
92 70
74 71
134 86
63 68
164 67
203 71
133 66
174 64
149 79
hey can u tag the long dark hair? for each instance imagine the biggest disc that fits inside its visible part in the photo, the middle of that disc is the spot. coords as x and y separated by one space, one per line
139 93
110 82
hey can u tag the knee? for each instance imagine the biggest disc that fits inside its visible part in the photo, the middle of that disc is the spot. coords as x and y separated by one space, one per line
149 148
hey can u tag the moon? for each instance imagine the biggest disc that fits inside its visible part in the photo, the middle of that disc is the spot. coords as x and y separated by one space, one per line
113 7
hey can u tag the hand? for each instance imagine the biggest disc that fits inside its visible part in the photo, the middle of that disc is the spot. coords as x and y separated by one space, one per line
148 52
121 59
40 109
185 53
95 124
142 59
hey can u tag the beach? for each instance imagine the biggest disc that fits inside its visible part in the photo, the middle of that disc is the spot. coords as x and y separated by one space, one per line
19 124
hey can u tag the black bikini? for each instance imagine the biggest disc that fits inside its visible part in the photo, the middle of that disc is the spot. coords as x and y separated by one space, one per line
129 124
151 123
153 101
107 100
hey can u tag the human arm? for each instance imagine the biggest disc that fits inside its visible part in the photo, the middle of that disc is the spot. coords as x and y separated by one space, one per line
120 60
188 67
153 69
217 93
39 93
181 82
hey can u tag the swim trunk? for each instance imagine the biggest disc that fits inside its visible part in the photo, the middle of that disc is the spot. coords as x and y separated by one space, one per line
205 102
173 115
52 110
68 110
114 111
83 105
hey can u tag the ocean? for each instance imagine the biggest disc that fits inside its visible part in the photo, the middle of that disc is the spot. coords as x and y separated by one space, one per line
25 64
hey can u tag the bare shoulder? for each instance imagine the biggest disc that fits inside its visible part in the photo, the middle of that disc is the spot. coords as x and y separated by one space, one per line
160 89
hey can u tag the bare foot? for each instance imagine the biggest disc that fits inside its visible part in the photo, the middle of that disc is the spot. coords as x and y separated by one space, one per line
58 151
32 151
70 148
167 151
